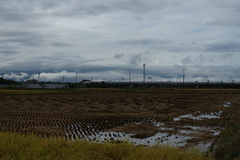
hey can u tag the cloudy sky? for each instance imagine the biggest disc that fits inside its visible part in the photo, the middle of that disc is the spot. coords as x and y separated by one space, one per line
104 39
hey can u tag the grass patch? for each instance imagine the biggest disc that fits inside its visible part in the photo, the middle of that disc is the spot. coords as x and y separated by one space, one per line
16 146
228 144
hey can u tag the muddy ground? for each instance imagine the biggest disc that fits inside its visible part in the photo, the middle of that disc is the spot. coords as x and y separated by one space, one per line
144 115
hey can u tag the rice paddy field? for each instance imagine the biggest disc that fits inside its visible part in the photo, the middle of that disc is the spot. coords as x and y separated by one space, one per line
181 118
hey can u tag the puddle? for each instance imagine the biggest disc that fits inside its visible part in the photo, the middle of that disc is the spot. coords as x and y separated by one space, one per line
188 132
154 122
204 146
200 130
157 124
159 138
165 128
176 136
179 139
227 104
198 116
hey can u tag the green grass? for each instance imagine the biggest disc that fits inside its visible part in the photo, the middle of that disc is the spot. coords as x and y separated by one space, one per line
15 146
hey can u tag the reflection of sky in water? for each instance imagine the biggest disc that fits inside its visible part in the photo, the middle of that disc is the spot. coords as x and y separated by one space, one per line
227 104
198 129
200 116
178 139
159 138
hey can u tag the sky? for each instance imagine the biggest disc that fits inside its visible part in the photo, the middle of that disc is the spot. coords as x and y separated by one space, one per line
72 40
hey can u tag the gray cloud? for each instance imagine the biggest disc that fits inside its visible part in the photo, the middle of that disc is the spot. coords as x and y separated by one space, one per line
19 11
227 55
105 37
60 44
83 8
13 16
140 58
119 56
208 46
193 60
27 41
7 52
135 59
224 13
223 46
115 73
187 60
21 37
145 42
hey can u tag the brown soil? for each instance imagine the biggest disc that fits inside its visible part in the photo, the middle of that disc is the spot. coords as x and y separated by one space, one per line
129 111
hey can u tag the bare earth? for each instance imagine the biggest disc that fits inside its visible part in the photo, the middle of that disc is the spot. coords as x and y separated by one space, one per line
141 113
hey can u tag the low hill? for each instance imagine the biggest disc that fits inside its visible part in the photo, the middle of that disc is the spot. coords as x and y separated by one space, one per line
9 82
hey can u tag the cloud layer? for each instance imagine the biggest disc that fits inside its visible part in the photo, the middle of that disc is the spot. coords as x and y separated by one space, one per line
106 38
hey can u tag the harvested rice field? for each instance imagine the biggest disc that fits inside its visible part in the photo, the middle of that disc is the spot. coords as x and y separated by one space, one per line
179 117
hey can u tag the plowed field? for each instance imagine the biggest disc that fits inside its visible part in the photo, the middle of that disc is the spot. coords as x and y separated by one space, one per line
144 115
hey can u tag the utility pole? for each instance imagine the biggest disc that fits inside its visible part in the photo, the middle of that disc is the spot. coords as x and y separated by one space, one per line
129 75
183 75
144 65
38 76
76 77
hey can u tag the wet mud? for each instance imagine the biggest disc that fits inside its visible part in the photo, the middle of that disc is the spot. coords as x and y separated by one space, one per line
184 118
